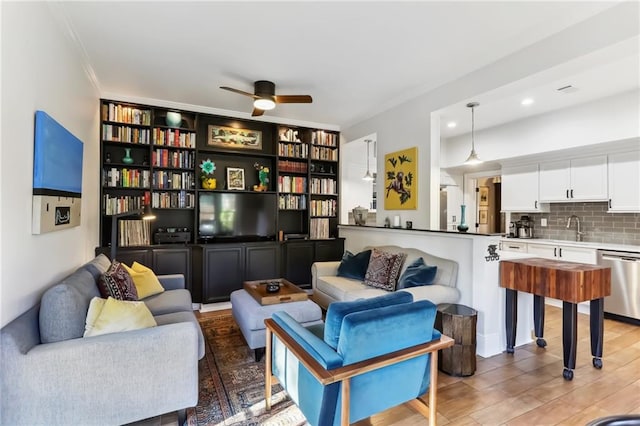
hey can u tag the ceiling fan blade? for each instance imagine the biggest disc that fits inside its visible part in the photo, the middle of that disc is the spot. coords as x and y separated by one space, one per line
256 112
241 92
293 99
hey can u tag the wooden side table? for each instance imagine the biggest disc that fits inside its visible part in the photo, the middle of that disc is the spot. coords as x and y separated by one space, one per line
459 323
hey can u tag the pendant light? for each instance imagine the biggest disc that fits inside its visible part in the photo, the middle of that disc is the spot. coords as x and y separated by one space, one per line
367 176
473 157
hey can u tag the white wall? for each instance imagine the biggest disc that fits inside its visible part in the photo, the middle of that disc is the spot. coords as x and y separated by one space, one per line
610 119
408 124
41 69
354 191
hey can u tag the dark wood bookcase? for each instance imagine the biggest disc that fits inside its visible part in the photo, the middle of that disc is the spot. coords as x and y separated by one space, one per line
164 172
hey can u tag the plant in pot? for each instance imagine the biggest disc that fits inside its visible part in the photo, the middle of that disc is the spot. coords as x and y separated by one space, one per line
206 175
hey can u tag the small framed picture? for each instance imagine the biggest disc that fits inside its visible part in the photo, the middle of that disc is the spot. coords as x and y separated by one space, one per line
235 178
484 195
483 218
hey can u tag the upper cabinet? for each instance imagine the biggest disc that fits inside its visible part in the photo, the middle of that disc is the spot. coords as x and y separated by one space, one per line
624 175
582 179
520 189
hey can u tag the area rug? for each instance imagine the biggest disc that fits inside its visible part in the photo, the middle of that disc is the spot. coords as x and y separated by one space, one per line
232 382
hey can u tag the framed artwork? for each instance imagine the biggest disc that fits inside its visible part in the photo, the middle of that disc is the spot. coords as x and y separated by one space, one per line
235 178
401 180
483 217
232 138
484 195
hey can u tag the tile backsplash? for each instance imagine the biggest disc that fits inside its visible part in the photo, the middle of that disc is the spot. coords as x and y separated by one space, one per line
598 225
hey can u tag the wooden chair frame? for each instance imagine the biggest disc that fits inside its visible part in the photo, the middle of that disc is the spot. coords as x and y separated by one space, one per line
345 373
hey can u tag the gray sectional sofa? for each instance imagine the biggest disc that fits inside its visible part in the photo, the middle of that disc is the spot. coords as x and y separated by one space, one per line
51 375
328 287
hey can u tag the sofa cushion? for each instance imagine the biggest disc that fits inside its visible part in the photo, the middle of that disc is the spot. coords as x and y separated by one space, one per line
416 274
144 280
338 310
64 306
183 316
117 283
97 266
384 269
338 287
113 316
169 301
354 265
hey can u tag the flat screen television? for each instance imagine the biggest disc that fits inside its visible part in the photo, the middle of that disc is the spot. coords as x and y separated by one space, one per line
237 216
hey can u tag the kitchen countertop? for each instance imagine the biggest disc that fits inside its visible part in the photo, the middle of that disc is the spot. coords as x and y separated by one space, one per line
585 244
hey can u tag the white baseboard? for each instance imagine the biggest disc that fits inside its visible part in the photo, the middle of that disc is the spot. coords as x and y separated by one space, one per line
211 307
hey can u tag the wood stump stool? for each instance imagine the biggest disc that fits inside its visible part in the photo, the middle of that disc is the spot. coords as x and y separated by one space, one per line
459 323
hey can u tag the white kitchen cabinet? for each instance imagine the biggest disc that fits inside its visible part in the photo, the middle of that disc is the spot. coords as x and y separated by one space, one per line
624 182
516 246
562 252
580 179
520 189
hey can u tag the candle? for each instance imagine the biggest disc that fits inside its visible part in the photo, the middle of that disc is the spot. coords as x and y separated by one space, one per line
396 221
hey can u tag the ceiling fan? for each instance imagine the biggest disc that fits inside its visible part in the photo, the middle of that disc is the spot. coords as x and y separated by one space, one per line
265 98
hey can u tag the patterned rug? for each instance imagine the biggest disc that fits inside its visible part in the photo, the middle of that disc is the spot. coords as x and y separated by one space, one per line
232 382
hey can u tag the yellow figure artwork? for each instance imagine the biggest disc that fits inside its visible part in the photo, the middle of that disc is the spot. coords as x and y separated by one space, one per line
401 180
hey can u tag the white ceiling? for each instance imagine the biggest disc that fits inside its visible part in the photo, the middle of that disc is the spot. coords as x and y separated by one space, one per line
355 58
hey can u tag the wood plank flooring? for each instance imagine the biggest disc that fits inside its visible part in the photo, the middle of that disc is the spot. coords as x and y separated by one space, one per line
527 388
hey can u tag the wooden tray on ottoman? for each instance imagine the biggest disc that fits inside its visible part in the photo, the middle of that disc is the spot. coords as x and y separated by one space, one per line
288 292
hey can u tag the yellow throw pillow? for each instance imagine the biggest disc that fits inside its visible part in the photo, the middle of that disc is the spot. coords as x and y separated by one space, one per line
117 315
144 280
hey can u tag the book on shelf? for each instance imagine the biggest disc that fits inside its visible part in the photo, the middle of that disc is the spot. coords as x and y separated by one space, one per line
134 233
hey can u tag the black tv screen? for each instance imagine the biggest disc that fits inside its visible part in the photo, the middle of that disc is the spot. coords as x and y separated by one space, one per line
237 216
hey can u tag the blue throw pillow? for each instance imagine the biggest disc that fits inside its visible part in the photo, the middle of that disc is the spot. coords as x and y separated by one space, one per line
354 266
417 274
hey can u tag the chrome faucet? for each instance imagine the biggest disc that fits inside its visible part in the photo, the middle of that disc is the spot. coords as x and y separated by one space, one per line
578 232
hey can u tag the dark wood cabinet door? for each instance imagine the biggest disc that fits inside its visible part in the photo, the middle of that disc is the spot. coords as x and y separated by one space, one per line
223 271
262 261
298 257
329 250
173 261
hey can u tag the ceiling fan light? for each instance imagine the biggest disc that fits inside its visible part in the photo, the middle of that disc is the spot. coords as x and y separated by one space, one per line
264 104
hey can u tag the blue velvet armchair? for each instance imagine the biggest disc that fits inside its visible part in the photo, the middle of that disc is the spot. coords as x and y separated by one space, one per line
368 356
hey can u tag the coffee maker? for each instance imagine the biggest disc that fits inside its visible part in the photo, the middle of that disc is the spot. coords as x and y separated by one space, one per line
524 227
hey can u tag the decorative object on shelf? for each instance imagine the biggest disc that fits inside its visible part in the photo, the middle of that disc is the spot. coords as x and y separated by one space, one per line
473 157
145 161
387 222
360 215
272 286
235 178
367 176
206 175
230 137
107 158
409 224
127 156
263 177
401 180
463 227
173 119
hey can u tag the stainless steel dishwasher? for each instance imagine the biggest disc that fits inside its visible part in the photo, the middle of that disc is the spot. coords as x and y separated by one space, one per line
625 284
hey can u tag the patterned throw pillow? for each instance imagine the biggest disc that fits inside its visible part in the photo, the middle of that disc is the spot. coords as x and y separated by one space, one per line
384 269
117 283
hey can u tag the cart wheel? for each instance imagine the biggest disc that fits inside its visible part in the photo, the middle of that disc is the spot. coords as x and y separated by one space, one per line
567 374
541 342
597 363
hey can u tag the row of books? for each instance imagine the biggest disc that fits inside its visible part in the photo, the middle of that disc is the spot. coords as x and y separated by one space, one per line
117 205
288 135
298 150
296 184
319 228
173 137
322 153
163 157
125 114
292 166
173 180
323 207
323 186
173 200
126 178
320 137
114 133
292 202
134 233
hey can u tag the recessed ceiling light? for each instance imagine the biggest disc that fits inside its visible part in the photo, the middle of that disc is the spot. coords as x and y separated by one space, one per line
452 124
526 101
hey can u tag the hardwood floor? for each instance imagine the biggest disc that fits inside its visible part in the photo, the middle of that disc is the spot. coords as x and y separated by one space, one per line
527 388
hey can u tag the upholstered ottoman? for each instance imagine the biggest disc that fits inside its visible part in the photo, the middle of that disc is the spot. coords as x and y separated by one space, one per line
250 316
